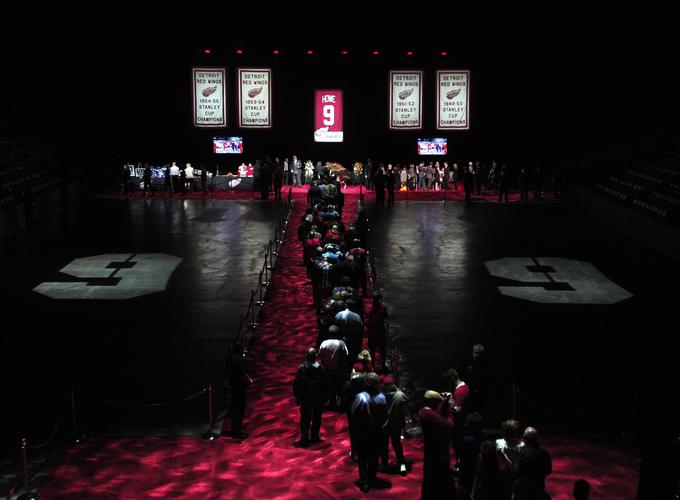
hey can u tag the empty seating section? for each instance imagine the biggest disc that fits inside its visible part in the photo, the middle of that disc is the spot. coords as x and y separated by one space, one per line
24 174
650 182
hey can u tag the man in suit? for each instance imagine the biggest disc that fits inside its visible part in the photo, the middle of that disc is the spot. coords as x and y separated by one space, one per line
309 390
296 167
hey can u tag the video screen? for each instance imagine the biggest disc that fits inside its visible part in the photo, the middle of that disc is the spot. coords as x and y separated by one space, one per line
227 145
435 146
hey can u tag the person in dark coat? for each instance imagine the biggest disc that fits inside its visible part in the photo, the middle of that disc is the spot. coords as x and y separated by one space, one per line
468 180
309 390
238 379
368 416
437 425
475 371
503 183
379 183
278 179
534 464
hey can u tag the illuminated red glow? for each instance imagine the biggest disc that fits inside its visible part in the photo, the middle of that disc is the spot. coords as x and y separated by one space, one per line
239 51
445 53
276 52
375 52
206 51
344 52
409 53
310 52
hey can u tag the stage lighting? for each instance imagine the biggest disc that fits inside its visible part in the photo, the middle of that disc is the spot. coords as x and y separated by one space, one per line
445 53
375 52
310 52
206 51
344 52
409 53
239 51
276 52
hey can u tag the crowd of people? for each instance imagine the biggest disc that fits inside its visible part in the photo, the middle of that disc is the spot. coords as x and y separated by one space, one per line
339 375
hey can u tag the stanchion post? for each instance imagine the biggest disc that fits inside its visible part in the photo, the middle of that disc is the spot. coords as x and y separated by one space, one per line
241 332
265 269
76 437
209 434
270 254
24 465
252 325
276 242
260 301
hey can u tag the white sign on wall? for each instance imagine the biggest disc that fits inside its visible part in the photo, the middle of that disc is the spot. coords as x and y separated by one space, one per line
209 96
453 99
254 98
406 99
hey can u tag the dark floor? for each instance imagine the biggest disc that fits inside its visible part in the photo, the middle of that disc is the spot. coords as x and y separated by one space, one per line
577 366
153 347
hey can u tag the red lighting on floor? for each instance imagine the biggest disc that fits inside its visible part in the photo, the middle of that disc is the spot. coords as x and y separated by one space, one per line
445 53
344 52
375 52
239 51
206 51
310 52
409 53
276 52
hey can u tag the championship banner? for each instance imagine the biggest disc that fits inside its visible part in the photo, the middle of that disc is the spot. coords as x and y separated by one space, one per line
210 89
254 98
328 116
406 98
453 100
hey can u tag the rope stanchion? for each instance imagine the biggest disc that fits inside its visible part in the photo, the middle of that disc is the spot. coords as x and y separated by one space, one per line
251 306
151 405
49 439
24 466
270 254
260 301
265 271
74 423
241 332
276 242
209 435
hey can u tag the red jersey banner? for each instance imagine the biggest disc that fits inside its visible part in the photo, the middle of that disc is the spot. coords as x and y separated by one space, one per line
328 116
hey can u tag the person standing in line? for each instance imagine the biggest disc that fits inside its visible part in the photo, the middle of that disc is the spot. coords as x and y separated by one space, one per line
523 184
503 181
369 414
296 167
237 378
309 390
468 180
278 179
538 183
396 419
286 172
183 180
204 179
174 176
379 186
147 180
189 171
437 425
534 464
454 176
390 180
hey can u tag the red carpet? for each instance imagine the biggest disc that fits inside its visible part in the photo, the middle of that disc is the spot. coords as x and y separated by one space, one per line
267 464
